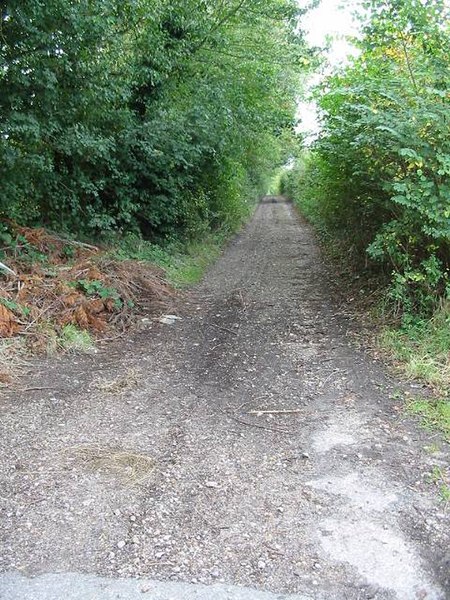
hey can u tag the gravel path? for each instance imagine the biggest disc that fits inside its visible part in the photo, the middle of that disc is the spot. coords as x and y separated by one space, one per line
250 447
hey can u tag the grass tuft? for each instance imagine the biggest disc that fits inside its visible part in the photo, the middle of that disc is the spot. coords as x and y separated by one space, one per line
73 339
184 264
421 348
435 413
439 477
188 267
131 467
120 384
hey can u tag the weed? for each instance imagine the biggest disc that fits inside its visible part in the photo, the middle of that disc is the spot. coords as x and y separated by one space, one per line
438 477
73 339
26 252
432 448
444 491
422 348
184 264
16 308
6 239
94 287
134 247
68 252
189 266
435 413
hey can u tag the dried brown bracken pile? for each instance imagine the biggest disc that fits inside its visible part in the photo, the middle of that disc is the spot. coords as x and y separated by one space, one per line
60 282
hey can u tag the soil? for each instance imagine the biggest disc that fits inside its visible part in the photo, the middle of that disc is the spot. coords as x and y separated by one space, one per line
167 457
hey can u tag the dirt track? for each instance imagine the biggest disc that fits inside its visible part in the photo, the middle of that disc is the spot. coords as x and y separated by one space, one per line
329 501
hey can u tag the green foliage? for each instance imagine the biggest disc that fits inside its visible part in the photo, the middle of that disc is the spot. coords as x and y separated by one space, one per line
6 238
440 477
379 176
96 288
133 246
73 339
189 265
143 115
423 347
16 308
68 252
184 263
20 247
435 414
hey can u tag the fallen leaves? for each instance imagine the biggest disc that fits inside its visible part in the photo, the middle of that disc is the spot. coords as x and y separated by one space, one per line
84 287
8 322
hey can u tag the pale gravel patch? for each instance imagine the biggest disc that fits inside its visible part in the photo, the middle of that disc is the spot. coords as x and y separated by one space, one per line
383 557
342 430
358 491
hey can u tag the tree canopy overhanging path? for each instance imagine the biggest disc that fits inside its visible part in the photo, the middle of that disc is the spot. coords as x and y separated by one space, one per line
248 451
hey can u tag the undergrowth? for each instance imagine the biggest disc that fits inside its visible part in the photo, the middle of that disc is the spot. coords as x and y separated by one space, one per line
73 339
419 345
187 267
63 294
434 413
439 477
183 263
422 346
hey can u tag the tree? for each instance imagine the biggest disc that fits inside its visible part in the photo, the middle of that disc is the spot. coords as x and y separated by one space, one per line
143 114
381 167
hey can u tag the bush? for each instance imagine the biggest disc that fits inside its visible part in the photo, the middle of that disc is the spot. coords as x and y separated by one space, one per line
145 116
379 175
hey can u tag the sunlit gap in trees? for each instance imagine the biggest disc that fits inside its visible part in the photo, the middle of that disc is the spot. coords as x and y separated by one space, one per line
329 26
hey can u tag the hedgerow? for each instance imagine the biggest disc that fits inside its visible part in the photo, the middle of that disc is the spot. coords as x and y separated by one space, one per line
378 177
152 116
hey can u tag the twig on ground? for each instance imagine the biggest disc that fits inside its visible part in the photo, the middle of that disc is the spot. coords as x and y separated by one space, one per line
327 379
36 389
74 242
223 328
114 337
276 429
7 269
274 412
242 405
